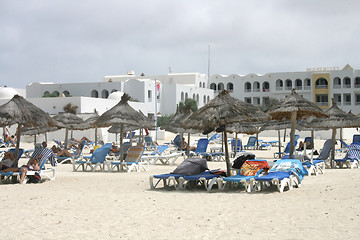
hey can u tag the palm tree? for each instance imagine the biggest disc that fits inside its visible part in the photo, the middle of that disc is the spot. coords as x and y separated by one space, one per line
69 108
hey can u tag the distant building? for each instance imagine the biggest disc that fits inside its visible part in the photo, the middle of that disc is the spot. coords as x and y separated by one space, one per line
318 85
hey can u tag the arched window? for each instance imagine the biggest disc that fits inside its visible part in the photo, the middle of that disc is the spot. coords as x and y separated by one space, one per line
94 94
194 96
104 93
321 83
197 98
230 87
288 84
307 84
203 85
266 86
208 98
298 84
186 96
337 82
347 82
279 85
256 86
220 87
247 87
357 82
46 94
213 86
199 84
114 90
56 93
182 96
66 93
204 99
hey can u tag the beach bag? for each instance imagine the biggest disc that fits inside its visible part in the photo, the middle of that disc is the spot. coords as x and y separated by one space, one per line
191 166
34 178
241 159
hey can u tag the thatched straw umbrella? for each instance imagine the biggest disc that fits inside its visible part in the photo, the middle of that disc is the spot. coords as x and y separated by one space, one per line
220 112
337 119
295 107
123 114
70 122
25 114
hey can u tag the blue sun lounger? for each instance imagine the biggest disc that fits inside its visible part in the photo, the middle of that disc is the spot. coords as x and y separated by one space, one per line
352 157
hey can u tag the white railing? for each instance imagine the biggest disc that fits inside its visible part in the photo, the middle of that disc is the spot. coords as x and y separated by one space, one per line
256 90
321 86
347 85
298 87
279 88
322 103
337 86
288 87
347 103
247 90
307 87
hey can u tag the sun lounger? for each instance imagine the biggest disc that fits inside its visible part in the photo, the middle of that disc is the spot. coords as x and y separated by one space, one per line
286 151
96 160
317 165
251 168
352 157
132 162
149 143
6 175
251 143
61 160
285 173
159 155
205 179
47 155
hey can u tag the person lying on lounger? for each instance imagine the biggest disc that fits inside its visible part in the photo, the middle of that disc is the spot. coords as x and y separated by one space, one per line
7 161
185 145
66 153
32 165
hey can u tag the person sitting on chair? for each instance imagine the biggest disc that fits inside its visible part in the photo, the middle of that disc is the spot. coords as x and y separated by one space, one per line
185 145
10 139
66 153
32 165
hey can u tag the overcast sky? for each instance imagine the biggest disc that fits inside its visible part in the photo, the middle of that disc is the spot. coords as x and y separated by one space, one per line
84 40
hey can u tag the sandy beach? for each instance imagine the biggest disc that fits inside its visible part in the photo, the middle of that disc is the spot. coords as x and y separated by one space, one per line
102 205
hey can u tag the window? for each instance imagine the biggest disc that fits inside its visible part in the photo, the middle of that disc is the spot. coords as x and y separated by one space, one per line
213 86
322 99
321 83
197 99
347 99
220 87
266 101
208 98
194 96
46 94
182 96
288 84
298 84
204 99
337 82
248 100
149 95
104 93
307 84
203 85
256 87
347 82
337 98
357 99
94 94
66 93
357 82
230 87
266 86
248 87
256 101
114 90
56 93
199 84
279 85
186 96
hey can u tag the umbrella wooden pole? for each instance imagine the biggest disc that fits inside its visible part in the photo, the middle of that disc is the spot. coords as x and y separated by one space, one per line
333 140
18 134
227 159
34 140
66 138
121 142
235 150
257 141
284 140
72 134
341 136
279 139
312 139
46 137
292 134
130 138
96 129
188 145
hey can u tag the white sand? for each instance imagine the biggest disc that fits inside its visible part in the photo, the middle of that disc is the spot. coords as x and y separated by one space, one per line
100 205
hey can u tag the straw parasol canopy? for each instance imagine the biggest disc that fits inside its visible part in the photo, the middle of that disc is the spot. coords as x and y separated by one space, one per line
25 114
32 131
174 123
70 122
295 107
124 115
220 112
337 119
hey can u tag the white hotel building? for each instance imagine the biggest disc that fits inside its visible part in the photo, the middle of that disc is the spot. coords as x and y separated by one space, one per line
318 85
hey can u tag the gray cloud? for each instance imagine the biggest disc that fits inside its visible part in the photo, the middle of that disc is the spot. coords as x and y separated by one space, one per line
81 41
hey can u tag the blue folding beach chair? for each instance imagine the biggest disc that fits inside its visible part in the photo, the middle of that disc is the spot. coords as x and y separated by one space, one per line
352 157
251 143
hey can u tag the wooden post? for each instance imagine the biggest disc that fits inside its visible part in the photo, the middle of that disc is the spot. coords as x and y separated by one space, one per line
227 159
292 135
333 140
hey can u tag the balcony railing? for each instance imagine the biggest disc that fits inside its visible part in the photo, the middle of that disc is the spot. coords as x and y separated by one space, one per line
347 85
266 90
288 87
279 88
322 103
347 103
337 86
356 85
307 87
321 86
256 90
357 103
298 87
247 90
